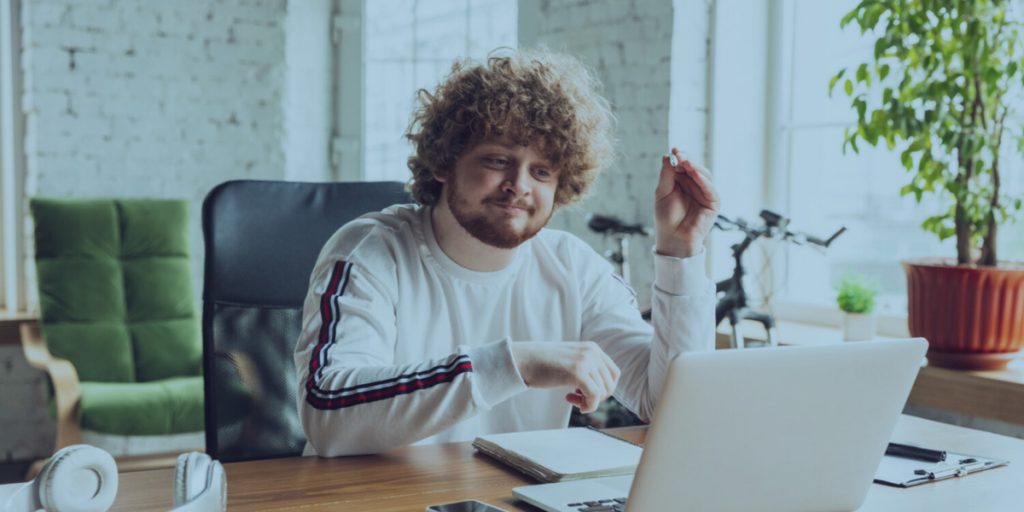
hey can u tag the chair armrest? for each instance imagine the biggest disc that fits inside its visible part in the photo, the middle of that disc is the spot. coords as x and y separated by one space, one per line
65 383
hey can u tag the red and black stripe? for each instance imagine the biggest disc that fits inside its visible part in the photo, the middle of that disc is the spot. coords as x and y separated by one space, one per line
373 391
390 388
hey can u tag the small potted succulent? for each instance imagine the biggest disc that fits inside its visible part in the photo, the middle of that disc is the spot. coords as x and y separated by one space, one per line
941 89
856 297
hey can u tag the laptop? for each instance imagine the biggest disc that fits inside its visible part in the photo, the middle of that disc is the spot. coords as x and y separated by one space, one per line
786 429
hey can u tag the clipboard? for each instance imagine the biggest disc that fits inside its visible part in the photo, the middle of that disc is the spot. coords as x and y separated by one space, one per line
903 472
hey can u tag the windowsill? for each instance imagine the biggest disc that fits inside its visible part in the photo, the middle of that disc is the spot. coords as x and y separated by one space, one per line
997 395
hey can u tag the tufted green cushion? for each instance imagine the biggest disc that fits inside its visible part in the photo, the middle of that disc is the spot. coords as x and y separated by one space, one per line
116 299
169 406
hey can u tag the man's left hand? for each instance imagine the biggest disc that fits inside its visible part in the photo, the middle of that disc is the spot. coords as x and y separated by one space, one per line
686 205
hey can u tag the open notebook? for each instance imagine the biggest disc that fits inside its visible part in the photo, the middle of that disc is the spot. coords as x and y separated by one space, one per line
563 455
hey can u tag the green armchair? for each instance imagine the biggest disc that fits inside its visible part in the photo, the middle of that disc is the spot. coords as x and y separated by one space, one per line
119 333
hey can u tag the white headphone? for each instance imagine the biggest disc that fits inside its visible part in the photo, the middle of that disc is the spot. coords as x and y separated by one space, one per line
83 478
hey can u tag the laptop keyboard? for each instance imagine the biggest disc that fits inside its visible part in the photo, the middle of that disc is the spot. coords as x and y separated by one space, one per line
612 505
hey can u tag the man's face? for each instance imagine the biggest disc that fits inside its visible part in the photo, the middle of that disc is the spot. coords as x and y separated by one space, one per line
500 192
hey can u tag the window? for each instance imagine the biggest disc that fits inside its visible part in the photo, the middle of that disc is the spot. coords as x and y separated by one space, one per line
411 44
822 189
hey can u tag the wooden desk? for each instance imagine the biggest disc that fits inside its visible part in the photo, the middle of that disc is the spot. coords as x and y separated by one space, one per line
411 478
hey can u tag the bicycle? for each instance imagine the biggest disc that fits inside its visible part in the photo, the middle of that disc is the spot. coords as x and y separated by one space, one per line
733 301
622 232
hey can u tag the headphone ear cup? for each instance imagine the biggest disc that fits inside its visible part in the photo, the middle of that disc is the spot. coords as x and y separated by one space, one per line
79 478
183 474
190 477
198 477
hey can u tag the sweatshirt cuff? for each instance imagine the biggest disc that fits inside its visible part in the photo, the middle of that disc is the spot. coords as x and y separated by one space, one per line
681 276
495 373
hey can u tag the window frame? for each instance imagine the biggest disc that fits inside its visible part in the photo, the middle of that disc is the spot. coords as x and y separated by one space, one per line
13 210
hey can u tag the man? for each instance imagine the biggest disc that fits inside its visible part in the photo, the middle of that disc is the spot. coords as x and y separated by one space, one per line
461 316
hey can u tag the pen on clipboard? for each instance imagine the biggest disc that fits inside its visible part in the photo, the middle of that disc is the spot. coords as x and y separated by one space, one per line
913 452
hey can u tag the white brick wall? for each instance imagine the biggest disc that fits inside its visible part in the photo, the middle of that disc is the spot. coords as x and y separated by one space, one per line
138 98
152 99
632 47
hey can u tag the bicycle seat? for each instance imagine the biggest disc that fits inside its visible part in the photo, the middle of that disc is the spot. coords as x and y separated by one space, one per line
611 225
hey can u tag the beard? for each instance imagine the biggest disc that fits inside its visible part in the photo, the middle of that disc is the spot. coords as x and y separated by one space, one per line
501 234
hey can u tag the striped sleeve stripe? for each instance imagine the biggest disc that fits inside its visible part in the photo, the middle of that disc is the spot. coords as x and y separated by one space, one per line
328 320
373 391
402 387
401 379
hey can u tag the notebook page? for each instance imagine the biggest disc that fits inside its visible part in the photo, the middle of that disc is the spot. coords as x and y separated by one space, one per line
569 451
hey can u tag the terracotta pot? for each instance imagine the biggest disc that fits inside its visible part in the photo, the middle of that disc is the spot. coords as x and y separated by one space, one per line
972 317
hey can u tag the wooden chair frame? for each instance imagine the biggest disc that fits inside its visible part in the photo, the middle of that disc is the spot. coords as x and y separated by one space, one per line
66 386
68 393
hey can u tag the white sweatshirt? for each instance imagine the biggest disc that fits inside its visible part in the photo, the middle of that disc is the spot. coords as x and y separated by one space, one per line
402 345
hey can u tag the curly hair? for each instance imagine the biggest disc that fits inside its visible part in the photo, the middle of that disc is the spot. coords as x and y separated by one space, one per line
529 95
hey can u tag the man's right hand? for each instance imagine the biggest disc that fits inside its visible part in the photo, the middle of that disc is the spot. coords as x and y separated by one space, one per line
580 365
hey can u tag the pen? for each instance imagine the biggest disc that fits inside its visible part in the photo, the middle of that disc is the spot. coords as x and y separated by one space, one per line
913 452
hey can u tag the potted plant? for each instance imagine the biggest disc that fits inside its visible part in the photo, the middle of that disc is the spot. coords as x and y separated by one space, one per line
856 297
939 87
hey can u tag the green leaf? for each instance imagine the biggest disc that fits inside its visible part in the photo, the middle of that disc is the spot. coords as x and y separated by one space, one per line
886 96
992 76
880 46
905 82
883 72
907 160
849 87
849 16
862 73
872 14
832 83
917 145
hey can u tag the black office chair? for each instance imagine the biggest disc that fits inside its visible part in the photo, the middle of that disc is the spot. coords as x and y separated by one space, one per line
262 240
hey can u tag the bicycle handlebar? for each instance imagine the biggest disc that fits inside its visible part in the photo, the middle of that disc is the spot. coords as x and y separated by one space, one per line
611 225
775 223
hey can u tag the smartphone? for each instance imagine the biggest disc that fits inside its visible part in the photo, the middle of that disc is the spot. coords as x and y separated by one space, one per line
465 506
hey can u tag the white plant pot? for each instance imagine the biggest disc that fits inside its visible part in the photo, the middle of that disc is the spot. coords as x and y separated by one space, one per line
859 326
